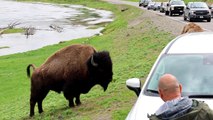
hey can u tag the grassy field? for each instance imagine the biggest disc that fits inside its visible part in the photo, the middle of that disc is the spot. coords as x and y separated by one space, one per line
133 47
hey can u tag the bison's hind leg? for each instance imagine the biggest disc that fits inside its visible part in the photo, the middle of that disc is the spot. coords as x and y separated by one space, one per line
42 95
37 96
32 106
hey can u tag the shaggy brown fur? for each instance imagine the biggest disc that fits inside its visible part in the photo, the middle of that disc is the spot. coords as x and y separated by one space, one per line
74 70
191 27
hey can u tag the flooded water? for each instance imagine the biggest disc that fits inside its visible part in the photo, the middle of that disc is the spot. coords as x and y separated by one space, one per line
74 21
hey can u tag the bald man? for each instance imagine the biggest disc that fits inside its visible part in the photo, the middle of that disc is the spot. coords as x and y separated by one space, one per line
176 107
169 88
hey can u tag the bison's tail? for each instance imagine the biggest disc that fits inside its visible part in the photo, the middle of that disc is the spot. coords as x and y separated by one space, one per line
28 69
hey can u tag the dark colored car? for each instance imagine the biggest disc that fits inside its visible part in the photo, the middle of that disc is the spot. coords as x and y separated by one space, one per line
157 6
197 11
175 7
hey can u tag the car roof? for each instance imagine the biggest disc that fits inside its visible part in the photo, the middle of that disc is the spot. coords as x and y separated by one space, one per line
199 42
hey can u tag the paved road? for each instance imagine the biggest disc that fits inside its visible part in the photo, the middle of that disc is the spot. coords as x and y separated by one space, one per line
206 25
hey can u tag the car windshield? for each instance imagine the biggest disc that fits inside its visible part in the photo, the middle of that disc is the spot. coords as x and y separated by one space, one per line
199 5
194 72
157 4
177 3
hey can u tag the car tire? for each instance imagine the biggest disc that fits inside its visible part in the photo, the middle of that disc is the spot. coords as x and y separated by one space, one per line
166 12
184 18
190 20
170 13
209 20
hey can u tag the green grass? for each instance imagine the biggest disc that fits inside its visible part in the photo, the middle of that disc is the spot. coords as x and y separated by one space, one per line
133 49
186 1
14 30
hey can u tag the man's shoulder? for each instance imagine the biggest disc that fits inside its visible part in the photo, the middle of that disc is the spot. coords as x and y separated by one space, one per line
199 111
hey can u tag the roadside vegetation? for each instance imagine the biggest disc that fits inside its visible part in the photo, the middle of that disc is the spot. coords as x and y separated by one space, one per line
14 30
134 45
186 1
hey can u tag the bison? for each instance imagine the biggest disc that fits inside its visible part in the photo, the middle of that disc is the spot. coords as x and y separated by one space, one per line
191 27
72 70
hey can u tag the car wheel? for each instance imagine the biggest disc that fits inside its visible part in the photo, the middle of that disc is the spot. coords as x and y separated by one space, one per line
170 13
190 20
209 20
184 18
167 13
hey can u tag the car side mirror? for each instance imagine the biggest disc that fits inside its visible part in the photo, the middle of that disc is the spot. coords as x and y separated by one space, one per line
134 84
167 4
187 7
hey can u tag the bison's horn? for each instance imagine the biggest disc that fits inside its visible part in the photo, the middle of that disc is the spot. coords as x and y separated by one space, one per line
93 62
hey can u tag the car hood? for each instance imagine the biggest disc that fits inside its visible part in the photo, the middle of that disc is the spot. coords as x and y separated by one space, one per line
195 9
178 5
147 105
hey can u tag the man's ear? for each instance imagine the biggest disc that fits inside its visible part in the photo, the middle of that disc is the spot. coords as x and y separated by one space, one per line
160 93
180 86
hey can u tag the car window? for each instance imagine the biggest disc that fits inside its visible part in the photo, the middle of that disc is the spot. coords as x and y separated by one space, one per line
199 5
177 3
194 72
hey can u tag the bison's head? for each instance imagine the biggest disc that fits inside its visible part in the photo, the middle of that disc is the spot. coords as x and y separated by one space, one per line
100 68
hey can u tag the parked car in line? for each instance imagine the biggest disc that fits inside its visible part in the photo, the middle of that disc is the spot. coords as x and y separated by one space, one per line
146 2
150 6
189 57
141 2
157 6
197 11
163 7
175 7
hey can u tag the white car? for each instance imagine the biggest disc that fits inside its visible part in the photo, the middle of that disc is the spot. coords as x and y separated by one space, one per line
190 58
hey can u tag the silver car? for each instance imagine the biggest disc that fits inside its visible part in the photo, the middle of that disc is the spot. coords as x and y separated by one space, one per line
190 58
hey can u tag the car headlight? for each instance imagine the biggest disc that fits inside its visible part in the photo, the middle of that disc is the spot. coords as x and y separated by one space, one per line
209 12
191 12
172 8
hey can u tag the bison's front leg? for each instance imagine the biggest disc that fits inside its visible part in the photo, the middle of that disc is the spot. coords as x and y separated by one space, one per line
69 98
71 104
77 101
42 95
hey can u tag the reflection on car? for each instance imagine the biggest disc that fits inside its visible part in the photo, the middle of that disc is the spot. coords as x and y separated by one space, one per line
197 11
189 57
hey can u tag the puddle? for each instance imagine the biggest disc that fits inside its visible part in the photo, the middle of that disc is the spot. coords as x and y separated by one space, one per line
75 21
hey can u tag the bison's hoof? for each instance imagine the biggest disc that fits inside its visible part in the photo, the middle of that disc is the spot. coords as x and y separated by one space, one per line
71 105
31 115
78 103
